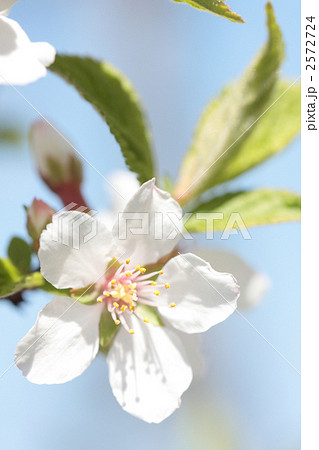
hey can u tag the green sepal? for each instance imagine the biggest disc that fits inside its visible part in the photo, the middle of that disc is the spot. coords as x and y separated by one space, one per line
87 295
108 330
151 313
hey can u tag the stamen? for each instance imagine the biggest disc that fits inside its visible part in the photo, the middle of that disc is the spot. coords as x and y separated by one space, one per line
167 285
113 282
146 320
123 308
116 305
128 261
172 305
153 283
99 299
106 293
137 267
132 331
142 270
156 293
161 272
117 322
128 273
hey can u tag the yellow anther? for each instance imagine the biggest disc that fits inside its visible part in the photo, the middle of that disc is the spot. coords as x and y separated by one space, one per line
132 331
142 270
156 293
167 285
128 273
113 282
116 305
137 267
128 261
154 283
100 299
106 293
117 322
161 272
172 305
123 308
146 320
132 308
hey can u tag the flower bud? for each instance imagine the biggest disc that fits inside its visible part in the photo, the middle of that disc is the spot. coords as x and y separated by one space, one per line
39 214
57 162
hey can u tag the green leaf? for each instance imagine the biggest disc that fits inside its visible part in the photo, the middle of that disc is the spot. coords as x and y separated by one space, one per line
230 118
150 313
11 281
271 134
114 97
19 253
108 330
259 207
218 7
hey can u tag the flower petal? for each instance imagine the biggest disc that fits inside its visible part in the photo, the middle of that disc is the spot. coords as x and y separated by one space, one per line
21 61
5 5
75 250
123 184
253 285
145 228
62 343
148 371
203 297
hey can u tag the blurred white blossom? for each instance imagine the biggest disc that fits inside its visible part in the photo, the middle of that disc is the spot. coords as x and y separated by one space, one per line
21 61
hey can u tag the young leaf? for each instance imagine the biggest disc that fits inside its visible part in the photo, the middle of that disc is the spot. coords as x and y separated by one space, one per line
231 117
259 207
218 7
271 134
114 97
19 253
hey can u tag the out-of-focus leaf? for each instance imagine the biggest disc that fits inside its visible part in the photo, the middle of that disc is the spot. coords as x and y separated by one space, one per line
270 135
11 280
19 253
10 135
259 207
218 7
232 114
114 97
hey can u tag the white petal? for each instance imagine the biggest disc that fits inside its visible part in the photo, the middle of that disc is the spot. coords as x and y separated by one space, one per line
146 229
46 143
122 185
203 297
148 371
75 250
5 5
62 343
253 285
21 61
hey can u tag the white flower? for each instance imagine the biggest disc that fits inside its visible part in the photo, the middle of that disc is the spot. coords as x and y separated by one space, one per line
21 61
148 367
253 284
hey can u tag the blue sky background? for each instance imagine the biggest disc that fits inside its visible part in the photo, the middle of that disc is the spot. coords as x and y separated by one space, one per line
178 58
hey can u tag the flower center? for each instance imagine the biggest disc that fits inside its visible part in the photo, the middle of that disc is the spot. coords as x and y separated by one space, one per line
126 289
